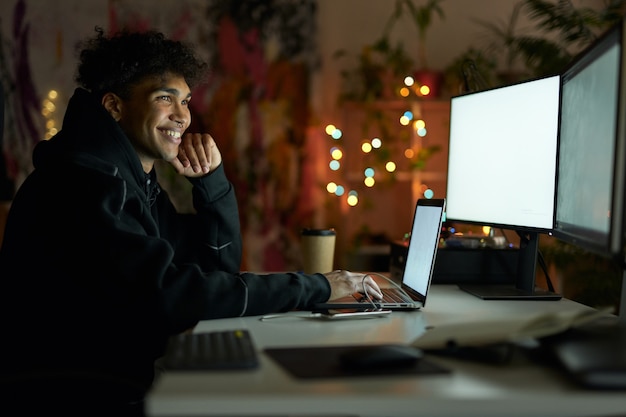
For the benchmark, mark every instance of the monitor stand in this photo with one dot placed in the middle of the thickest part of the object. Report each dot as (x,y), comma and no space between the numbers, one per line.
(524,288)
(508,292)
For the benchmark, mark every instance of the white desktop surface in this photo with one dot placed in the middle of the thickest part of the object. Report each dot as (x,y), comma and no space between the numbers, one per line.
(520,388)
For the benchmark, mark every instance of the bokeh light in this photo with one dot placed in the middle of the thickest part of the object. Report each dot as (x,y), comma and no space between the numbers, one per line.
(336,153)
(48,109)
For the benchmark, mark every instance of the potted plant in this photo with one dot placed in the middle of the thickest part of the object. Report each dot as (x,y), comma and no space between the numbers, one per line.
(422,16)
(472,70)
(503,40)
(380,66)
(561,30)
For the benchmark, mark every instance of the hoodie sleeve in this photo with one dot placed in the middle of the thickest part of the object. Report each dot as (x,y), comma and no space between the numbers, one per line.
(207,254)
(211,237)
(218,218)
(219,294)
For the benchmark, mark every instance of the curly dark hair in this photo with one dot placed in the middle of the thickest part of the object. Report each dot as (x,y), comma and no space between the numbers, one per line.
(116,63)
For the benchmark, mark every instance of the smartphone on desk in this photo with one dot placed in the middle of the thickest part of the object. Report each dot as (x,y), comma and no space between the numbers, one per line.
(350,313)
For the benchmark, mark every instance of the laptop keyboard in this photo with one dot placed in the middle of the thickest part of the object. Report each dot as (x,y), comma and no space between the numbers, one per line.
(217,350)
(393,295)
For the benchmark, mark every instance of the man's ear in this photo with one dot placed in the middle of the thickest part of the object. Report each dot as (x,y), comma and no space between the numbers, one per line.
(113,104)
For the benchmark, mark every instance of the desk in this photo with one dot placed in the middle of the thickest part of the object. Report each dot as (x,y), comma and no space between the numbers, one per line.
(471,389)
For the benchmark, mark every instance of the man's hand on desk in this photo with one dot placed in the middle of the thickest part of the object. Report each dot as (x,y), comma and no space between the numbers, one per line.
(344,283)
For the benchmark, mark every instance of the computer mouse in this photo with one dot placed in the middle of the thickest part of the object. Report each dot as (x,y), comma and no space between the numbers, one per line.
(380,356)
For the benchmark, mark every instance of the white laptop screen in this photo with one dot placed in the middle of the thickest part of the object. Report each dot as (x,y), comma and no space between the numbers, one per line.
(423,246)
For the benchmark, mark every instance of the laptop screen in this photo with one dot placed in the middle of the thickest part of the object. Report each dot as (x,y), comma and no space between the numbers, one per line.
(423,244)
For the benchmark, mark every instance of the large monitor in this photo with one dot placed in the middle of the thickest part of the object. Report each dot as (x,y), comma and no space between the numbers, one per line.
(501,170)
(592,151)
(589,211)
(591,180)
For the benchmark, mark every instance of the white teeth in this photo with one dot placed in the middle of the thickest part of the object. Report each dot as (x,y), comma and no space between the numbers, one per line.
(172,133)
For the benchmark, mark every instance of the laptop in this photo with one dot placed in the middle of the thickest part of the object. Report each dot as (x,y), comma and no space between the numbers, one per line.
(418,268)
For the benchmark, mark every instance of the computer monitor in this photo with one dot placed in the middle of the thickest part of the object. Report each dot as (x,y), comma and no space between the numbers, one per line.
(501,170)
(589,210)
(591,169)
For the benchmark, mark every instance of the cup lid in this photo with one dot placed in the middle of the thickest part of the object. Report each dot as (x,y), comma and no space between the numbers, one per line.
(318,232)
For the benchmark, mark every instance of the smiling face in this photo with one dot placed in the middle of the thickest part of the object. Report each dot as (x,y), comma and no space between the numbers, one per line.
(154,117)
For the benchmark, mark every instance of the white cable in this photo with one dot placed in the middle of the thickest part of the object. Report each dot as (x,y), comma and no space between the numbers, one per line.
(399,288)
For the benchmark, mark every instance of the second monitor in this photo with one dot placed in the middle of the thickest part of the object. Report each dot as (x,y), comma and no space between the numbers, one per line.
(502,168)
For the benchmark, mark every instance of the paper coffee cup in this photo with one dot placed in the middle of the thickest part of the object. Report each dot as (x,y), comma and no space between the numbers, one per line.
(318,250)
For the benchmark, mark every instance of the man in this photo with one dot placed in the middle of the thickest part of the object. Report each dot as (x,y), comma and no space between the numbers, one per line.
(97,269)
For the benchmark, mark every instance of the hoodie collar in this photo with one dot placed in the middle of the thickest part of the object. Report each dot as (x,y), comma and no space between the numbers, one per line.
(89,129)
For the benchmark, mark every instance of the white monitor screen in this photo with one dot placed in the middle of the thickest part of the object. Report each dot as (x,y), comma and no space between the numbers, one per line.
(502,155)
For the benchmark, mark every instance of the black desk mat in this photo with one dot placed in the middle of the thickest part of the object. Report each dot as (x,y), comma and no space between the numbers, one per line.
(323,362)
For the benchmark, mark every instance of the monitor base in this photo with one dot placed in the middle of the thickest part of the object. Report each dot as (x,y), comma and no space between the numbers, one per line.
(508,292)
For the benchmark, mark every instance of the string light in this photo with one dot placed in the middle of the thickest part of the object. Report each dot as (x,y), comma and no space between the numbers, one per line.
(420,127)
(407,118)
(337,134)
(48,109)
(353,198)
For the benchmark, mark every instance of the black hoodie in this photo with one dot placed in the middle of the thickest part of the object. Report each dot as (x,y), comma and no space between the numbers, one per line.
(97,269)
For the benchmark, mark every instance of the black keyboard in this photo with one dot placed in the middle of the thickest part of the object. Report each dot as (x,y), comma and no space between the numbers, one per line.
(217,350)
